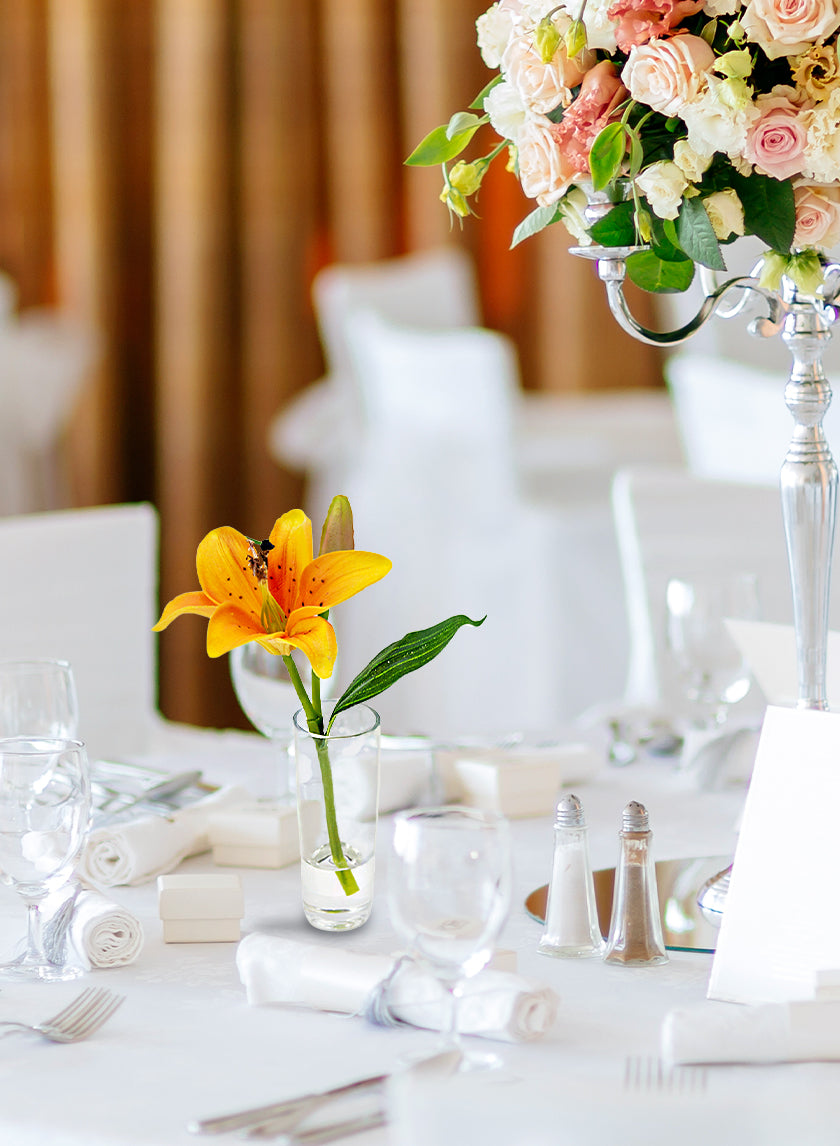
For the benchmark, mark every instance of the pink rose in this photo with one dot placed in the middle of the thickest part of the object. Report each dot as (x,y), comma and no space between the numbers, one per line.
(542,87)
(789,27)
(600,94)
(667,74)
(817,215)
(544,172)
(638,21)
(775,143)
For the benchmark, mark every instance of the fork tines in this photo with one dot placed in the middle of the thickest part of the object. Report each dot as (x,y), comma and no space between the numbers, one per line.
(652,1074)
(85,1014)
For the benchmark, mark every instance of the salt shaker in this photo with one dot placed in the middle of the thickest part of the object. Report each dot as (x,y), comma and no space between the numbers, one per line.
(571,917)
(635,936)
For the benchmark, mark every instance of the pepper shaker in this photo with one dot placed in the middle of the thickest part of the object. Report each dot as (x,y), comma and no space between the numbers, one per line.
(571,916)
(635,936)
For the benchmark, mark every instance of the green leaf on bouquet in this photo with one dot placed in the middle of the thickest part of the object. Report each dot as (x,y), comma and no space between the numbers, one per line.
(607,154)
(768,206)
(697,235)
(398,659)
(478,103)
(438,147)
(660,276)
(616,229)
(535,222)
(663,239)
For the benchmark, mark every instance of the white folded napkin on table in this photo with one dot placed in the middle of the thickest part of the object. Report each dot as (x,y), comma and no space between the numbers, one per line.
(806,1031)
(99,931)
(494,1004)
(138,850)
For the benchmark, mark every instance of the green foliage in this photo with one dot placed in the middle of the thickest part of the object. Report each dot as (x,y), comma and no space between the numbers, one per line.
(768,208)
(607,154)
(535,222)
(659,276)
(439,147)
(616,229)
(697,236)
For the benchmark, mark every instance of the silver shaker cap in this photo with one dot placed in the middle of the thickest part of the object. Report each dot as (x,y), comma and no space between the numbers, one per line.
(569,813)
(635,818)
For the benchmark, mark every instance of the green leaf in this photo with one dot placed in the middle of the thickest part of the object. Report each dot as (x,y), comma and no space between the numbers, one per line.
(660,276)
(535,222)
(478,103)
(437,147)
(607,154)
(617,228)
(768,208)
(398,659)
(663,239)
(462,121)
(697,235)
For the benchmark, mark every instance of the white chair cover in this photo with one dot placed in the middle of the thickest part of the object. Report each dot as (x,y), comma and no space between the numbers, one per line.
(81,585)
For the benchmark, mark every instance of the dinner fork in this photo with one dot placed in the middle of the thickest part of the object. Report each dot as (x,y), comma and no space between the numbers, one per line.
(79,1019)
(651,1074)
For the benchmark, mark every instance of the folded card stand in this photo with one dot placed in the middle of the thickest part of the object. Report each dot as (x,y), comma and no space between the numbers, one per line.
(200,908)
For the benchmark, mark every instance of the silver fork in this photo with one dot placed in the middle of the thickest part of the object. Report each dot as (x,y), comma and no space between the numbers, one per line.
(79,1019)
(651,1074)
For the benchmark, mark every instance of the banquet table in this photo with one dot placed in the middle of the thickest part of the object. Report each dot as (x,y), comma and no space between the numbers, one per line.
(186,1044)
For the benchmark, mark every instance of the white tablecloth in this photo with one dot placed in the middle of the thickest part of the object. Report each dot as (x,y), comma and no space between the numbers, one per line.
(186,1045)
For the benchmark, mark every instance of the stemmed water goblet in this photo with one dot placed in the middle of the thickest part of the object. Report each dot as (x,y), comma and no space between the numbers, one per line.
(38,698)
(711,669)
(449,893)
(268,698)
(44,815)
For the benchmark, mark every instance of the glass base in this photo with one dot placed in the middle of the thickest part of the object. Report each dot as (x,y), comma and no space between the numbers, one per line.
(325,905)
(23,971)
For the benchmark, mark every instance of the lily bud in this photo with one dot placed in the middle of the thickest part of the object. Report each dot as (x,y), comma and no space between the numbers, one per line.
(455,201)
(773,268)
(337,534)
(806,271)
(466,177)
(546,39)
(575,38)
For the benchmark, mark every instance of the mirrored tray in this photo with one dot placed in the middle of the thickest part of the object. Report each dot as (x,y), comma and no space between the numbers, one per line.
(679,883)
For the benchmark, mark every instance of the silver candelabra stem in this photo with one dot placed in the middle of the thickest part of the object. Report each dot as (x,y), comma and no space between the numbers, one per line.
(808,473)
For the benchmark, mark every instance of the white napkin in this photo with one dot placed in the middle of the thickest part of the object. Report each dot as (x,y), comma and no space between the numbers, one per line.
(806,1031)
(137,851)
(100,932)
(495,1004)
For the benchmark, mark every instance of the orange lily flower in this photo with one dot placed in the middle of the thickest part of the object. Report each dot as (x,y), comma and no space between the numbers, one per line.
(274,595)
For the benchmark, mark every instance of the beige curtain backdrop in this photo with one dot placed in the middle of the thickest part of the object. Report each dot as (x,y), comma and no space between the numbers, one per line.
(174,172)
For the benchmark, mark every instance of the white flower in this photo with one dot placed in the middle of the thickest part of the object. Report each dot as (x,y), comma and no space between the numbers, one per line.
(785,28)
(663,185)
(494,28)
(725,212)
(572,207)
(721,7)
(542,87)
(714,124)
(506,110)
(692,163)
(822,146)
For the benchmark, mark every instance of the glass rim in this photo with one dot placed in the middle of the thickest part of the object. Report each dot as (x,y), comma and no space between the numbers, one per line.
(481,817)
(35,662)
(301,726)
(39,744)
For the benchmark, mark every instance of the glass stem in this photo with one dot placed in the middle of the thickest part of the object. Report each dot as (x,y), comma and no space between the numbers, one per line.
(449,1027)
(35,954)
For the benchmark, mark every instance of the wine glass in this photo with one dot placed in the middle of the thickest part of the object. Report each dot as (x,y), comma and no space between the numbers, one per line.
(44,814)
(710,667)
(449,894)
(268,698)
(38,698)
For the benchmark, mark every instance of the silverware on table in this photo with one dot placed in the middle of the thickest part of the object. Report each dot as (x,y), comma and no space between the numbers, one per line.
(77,1021)
(316,1135)
(652,1074)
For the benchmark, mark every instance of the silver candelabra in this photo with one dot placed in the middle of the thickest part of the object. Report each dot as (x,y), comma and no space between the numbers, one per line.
(808,474)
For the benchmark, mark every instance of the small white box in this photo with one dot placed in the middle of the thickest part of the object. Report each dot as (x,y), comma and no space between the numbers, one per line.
(519,782)
(255,835)
(200,908)
(504,959)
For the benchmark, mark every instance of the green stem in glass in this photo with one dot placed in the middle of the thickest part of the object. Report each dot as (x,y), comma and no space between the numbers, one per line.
(315,723)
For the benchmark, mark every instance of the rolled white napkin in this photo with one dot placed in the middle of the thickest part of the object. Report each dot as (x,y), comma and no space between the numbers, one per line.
(136,851)
(495,1004)
(100,932)
(772,1032)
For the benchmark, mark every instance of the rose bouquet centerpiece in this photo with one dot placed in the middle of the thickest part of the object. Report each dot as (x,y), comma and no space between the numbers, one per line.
(701,120)
(277,593)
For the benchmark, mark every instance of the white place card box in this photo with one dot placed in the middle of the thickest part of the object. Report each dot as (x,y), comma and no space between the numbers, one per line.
(781,924)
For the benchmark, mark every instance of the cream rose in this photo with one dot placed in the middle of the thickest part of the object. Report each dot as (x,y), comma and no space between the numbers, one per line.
(494,30)
(663,185)
(817,215)
(692,163)
(788,27)
(726,213)
(506,110)
(542,87)
(668,74)
(543,173)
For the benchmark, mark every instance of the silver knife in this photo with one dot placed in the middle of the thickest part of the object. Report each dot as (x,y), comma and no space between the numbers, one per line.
(171,786)
(316,1135)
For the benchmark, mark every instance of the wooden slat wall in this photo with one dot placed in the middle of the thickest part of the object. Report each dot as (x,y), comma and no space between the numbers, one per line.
(174,172)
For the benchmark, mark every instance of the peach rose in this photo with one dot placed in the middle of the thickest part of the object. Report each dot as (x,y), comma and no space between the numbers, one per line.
(667,74)
(638,21)
(775,143)
(544,172)
(788,27)
(600,94)
(817,215)
(542,87)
